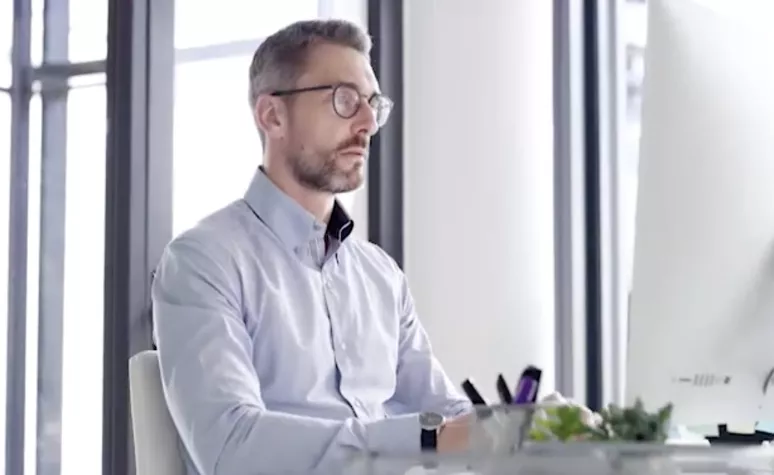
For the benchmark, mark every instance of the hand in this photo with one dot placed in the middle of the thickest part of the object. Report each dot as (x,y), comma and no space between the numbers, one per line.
(454,435)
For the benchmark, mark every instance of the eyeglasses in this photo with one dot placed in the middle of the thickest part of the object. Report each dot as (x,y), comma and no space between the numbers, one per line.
(346,100)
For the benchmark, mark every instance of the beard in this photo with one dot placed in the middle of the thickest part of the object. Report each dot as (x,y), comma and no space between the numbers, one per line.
(328,171)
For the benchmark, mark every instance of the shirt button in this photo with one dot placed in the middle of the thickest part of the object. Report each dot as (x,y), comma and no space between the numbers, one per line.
(343,346)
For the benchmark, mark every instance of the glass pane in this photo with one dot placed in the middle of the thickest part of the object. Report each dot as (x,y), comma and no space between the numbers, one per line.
(352,10)
(634,31)
(633,35)
(87,80)
(88,30)
(5,182)
(33,288)
(83,313)
(36,32)
(217,147)
(234,20)
(6,38)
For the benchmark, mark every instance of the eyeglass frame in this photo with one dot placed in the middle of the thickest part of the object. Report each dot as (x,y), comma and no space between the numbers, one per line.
(333,88)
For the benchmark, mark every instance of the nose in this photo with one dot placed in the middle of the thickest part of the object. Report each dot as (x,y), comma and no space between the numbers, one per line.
(365,120)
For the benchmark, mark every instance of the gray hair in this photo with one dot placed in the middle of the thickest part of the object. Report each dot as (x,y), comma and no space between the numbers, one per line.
(280,59)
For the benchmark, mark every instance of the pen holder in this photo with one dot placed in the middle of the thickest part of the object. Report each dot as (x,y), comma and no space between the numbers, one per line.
(501,429)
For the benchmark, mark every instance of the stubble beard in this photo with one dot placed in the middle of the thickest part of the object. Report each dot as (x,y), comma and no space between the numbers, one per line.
(323,172)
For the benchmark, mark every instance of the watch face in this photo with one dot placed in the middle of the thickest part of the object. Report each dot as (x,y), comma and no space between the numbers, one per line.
(430,420)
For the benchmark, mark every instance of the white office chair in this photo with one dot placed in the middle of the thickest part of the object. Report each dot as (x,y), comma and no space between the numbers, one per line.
(155,438)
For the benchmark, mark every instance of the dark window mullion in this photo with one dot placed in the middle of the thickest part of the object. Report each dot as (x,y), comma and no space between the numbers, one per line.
(385,168)
(138,220)
(593,241)
(21,92)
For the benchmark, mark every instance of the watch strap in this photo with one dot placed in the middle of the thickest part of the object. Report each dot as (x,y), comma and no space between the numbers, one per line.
(429,439)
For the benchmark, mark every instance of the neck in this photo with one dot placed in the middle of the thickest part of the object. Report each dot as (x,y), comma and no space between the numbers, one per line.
(319,204)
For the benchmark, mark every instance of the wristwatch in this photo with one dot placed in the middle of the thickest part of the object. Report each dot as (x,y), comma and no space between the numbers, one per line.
(431,424)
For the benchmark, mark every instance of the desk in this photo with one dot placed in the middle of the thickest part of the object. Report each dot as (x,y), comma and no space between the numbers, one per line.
(580,459)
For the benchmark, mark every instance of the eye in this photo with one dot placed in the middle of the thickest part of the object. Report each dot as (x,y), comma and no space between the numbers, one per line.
(346,98)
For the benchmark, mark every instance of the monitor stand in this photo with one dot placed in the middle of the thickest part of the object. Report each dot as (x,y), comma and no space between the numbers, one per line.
(725,437)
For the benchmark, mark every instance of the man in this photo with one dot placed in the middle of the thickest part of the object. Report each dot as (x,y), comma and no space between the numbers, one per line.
(286,344)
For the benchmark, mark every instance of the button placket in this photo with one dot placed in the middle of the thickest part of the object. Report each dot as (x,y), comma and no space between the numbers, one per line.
(331,307)
(340,346)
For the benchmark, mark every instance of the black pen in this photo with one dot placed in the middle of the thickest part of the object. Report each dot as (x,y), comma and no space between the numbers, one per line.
(482,411)
(503,391)
(472,393)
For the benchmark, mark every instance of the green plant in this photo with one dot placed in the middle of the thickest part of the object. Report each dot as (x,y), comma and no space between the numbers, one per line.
(562,423)
(632,424)
(616,424)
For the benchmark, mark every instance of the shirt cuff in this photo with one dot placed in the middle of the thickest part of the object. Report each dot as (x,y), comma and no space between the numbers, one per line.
(395,435)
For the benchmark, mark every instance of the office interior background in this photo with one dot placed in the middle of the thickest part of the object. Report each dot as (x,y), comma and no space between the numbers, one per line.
(504,184)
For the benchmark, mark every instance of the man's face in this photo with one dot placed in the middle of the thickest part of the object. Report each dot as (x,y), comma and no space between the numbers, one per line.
(325,151)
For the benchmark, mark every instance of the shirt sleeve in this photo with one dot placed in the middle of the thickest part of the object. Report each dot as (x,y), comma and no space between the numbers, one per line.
(214,394)
(422,383)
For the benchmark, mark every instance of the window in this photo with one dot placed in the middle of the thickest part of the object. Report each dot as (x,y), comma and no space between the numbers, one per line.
(65,239)
(235,20)
(37,8)
(82,313)
(633,34)
(217,148)
(88,30)
(5,182)
(33,289)
(6,32)
(65,315)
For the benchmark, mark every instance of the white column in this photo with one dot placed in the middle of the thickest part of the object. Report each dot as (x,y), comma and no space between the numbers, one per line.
(479,183)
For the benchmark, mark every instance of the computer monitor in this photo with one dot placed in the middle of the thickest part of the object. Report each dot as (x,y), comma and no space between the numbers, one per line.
(701,324)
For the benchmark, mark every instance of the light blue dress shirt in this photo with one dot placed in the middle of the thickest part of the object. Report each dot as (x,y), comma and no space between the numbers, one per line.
(281,354)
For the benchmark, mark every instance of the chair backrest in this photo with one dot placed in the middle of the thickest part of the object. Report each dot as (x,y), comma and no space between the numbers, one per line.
(156,447)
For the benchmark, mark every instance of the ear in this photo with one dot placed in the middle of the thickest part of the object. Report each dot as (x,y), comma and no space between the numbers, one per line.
(270,116)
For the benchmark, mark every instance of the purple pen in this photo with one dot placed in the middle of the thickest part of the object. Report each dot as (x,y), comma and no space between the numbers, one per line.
(527,389)
(526,394)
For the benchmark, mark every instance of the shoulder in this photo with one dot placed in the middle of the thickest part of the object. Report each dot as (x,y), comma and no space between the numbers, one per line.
(371,255)
(377,267)
(213,246)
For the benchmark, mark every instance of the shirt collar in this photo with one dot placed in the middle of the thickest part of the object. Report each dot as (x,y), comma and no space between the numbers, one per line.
(294,225)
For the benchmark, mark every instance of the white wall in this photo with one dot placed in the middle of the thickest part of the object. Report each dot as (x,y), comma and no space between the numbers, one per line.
(479,183)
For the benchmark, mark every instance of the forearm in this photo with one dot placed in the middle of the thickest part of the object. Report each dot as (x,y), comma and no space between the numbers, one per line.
(253,441)
(215,401)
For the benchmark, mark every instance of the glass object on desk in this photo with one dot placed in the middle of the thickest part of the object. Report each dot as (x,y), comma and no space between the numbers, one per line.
(499,445)
(578,458)
(498,434)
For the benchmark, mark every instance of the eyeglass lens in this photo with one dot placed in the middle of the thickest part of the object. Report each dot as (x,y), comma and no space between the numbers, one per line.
(347,100)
